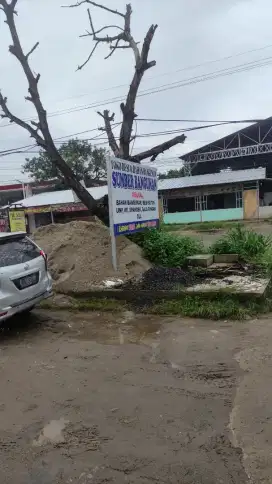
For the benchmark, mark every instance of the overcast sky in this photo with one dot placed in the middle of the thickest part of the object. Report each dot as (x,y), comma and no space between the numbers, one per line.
(190,33)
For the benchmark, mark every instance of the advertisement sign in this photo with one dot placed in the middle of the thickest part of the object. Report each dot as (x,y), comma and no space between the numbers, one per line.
(17,221)
(3,225)
(133,197)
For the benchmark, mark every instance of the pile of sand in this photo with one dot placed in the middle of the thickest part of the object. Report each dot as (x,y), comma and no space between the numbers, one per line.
(79,256)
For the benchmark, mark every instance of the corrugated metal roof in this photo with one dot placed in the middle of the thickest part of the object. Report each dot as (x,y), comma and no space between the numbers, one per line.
(59,197)
(66,196)
(213,179)
(247,130)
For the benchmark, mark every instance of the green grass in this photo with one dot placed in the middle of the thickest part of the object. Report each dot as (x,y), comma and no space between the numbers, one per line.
(200,227)
(100,305)
(247,244)
(165,249)
(216,307)
(221,307)
(263,262)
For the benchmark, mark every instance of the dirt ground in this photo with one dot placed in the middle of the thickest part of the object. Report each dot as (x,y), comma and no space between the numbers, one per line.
(102,398)
(209,237)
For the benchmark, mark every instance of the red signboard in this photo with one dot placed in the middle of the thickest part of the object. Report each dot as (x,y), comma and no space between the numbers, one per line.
(3,225)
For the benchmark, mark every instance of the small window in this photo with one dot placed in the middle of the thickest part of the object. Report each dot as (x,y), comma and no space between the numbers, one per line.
(239,199)
(201,203)
(17,251)
(165,205)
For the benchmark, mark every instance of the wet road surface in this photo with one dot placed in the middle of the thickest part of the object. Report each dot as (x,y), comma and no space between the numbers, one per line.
(119,398)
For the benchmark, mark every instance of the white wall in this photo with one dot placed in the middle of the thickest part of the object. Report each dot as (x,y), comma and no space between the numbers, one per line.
(265,212)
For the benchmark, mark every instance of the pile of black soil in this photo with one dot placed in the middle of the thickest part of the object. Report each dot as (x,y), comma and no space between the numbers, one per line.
(162,278)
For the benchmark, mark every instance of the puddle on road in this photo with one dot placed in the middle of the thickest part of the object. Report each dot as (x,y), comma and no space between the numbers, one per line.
(115,330)
(51,433)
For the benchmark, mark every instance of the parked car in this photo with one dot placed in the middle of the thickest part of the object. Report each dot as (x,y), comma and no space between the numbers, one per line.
(24,276)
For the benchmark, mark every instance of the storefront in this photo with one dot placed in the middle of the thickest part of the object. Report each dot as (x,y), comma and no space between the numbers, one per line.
(232,195)
(56,207)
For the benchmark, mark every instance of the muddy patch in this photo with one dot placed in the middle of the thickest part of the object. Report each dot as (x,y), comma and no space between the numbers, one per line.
(106,328)
(52,433)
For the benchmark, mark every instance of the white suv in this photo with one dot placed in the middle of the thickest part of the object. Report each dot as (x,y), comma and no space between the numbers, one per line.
(24,277)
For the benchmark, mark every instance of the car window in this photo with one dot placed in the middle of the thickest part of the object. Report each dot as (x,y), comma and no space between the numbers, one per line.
(18,251)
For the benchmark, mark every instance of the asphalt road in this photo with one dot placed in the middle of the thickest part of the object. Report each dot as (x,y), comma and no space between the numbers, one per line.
(90,398)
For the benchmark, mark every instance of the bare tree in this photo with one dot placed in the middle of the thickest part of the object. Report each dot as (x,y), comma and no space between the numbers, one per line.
(125,40)
(39,131)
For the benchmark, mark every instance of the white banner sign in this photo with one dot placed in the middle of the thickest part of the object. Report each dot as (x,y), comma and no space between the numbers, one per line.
(133,196)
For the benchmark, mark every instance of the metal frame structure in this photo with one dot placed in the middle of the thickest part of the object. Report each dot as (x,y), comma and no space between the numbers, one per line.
(250,141)
(224,154)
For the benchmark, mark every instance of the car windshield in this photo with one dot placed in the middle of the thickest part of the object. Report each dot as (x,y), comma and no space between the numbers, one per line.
(17,251)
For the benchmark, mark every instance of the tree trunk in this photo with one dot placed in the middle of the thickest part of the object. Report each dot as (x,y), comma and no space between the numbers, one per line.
(71,180)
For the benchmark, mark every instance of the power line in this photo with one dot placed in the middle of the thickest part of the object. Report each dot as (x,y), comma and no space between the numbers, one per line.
(100,136)
(24,149)
(169,86)
(205,77)
(57,140)
(194,66)
(201,120)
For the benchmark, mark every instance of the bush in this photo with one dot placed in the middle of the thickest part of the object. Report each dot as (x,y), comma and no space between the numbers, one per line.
(247,244)
(165,249)
(264,262)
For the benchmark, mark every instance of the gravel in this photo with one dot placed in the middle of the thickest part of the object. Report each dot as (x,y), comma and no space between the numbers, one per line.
(162,278)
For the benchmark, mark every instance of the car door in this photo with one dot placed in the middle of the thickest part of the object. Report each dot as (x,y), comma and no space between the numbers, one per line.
(23,272)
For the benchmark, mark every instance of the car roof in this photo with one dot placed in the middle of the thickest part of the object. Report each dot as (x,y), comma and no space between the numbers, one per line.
(5,235)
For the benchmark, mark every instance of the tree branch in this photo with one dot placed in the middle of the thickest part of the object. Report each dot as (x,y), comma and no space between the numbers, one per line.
(88,34)
(108,128)
(124,35)
(142,64)
(157,150)
(87,60)
(147,43)
(14,119)
(113,47)
(108,27)
(120,47)
(32,50)
(102,39)
(13,3)
(90,2)
(128,108)
(46,141)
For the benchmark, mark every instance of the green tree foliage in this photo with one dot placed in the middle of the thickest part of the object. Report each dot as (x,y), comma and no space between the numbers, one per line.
(172,174)
(87,162)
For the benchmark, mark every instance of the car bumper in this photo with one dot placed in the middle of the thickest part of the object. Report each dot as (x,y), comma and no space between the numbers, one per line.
(10,311)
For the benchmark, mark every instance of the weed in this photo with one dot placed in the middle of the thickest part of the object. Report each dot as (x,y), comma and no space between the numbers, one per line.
(168,250)
(246,243)
(200,227)
(221,307)
(103,304)
(207,226)
(174,227)
(264,262)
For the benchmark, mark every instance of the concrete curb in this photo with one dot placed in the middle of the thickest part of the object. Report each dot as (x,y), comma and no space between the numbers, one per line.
(159,295)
